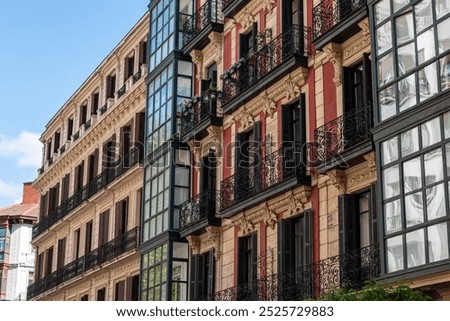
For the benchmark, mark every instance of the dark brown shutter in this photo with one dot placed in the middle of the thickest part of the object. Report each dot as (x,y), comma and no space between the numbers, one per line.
(193,295)
(211,274)
(367,79)
(129,289)
(139,133)
(119,213)
(49,261)
(373,214)
(40,266)
(61,253)
(285,246)
(348,223)
(77,236)
(142,52)
(65,187)
(242,260)
(88,238)
(104,228)
(254,262)
(308,237)
(287,132)
(120,291)
(101,294)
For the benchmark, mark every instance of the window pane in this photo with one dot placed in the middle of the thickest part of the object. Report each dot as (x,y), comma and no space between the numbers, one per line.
(390,150)
(447,148)
(398,4)
(395,254)
(434,171)
(393,219)
(438,242)
(387,102)
(427,82)
(412,175)
(431,132)
(391,185)
(404,28)
(444,35)
(406,58)
(415,248)
(414,209)
(386,69)
(382,10)
(2,232)
(410,141)
(424,17)
(425,46)
(435,202)
(444,64)
(384,38)
(407,92)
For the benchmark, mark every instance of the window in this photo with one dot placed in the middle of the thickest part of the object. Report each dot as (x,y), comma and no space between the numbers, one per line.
(2,232)
(415,190)
(79,177)
(142,53)
(95,101)
(84,298)
(61,253)
(76,244)
(247,260)
(93,165)
(154,274)
(2,244)
(179,271)
(121,223)
(247,42)
(412,54)
(110,86)
(103,234)
(88,237)
(69,128)
(357,85)
(162,28)
(57,142)
(292,13)
(119,293)
(48,261)
(129,67)
(83,114)
(202,276)
(132,288)
(101,294)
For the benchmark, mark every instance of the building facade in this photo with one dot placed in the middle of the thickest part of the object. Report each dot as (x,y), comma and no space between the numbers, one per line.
(17,256)
(87,235)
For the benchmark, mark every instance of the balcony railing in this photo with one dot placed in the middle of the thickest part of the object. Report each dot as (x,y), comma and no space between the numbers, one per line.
(199,109)
(76,136)
(328,13)
(122,91)
(90,189)
(93,259)
(103,109)
(87,124)
(349,271)
(208,14)
(137,76)
(250,70)
(342,133)
(200,207)
(252,178)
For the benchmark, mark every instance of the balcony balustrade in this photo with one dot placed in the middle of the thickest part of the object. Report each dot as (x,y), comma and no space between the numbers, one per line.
(103,254)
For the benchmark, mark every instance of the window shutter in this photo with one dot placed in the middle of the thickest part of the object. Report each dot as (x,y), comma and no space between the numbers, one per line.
(254,34)
(373,214)
(88,239)
(367,79)
(285,248)
(118,224)
(286,125)
(204,85)
(348,224)
(193,278)
(96,155)
(242,264)
(254,263)
(211,274)
(139,133)
(347,86)
(120,291)
(308,237)
(257,161)
(129,289)
(201,273)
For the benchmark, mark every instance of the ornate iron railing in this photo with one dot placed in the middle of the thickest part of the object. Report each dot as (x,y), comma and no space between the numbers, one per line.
(104,253)
(200,108)
(103,109)
(261,174)
(62,150)
(342,133)
(122,91)
(88,124)
(198,208)
(248,71)
(137,76)
(87,191)
(210,12)
(76,136)
(350,270)
(328,13)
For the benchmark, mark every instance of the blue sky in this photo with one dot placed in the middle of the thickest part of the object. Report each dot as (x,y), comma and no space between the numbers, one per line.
(47,49)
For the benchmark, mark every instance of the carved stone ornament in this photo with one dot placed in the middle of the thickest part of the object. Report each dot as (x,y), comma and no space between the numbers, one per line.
(364,25)
(298,199)
(292,89)
(196,149)
(338,179)
(270,107)
(245,118)
(370,158)
(334,53)
(246,19)
(194,243)
(197,59)
(246,226)
(269,4)
(214,235)
(270,217)
(216,40)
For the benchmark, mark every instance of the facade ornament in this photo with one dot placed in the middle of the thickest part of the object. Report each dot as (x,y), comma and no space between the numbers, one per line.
(370,158)
(195,147)
(216,40)
(298,199)
(246,19)
(197,59)
(270,217)
(270,107)
(214,133)
(338,179)
(245,118)
(364,25)
(194,243)
(269,4)
(246,226)
(292,89)
(214,235)
(334,53)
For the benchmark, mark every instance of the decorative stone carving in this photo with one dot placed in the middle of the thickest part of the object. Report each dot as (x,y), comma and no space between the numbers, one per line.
(297,200)
(246,225)
(246,19)
(364,25)
(195,147)
(197,59)
(194,243)
(214,235)
(338,179)
(292,89)
(370,158)
(244,117)
(270,217)
(269,4)
(216,40)
(334,53)
(270,107)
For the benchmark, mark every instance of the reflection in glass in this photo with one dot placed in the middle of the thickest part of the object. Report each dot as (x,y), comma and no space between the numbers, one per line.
(415,248)
(390,150)
(433,167)
(414,209)
(447,148)
(387,102)
(407,92)
(382,10)
(423,15)
(395,254)
(404,28)
(406,58)
(442,7)
(425,46)
(444,35)
(435,197)
(412,175)
(385,69)
(438,242)
(398,4)
(431,132)
(391,184)
(444,64)
(410,141)
(427,82)
(384,38)
(393,219)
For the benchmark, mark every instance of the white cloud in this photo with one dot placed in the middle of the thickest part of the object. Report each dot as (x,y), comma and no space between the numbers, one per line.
(11,191)
(26,149)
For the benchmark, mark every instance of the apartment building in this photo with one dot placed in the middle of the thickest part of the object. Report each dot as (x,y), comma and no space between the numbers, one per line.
(90,183)
(17,256)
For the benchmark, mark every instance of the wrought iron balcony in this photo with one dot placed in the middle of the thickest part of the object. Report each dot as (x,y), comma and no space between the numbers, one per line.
(328,14)
(199,113)
(97,184)
(199,212)
(93,259)
(206,19)
(349,271)
(103,109)
(287,163)
(76,136)
(121,91)
(88,124)
(254,73)
(342,134)
(137,76)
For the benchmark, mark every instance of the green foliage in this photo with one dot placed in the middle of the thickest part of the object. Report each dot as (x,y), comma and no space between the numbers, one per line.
(377,292)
